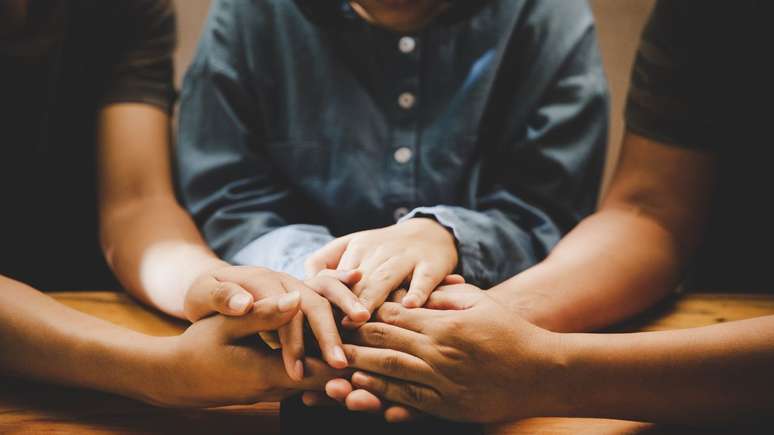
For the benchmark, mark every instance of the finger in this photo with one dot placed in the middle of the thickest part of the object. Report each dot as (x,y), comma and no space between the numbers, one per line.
(316,398)
(327,257)
(291,338)
(363,401)
(209,296)
(451,300)
(423,281)
(338,389)
(453,279)
(377,285)
(415,319)
(341,296)
(384,336)
(351,258)
(417,396)
(347,277)
(266,315)
(397,296)
(391,363)
(317,374)
(259,282)
(400,414)
(319,313)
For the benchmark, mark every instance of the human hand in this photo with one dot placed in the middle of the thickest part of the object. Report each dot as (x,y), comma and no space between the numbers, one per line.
(232,290)
(213,364)
(418,251)
(478,363)
(340,391)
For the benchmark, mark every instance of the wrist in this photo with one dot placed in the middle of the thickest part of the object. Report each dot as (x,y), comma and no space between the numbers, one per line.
(532,306)
(579,384)
(552,391)
(429,223)
(151,371)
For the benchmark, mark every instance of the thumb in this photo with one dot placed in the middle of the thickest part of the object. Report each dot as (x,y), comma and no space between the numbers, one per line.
(326,257)
(347,277)
(267,315)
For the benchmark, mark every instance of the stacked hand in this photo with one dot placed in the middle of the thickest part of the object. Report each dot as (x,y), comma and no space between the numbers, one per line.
(463,357)
(232,290)
(213,363)
(419,252)
(355,273)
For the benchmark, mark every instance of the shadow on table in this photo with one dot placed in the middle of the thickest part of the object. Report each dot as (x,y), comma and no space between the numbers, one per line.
(28,407)
(298,419)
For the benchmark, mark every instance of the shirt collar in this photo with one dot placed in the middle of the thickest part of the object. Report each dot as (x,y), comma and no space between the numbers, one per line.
(336,11)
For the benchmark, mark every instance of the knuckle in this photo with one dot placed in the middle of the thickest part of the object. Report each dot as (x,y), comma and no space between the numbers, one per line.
(389,313)
(260,271)
(375,334)
(428,275)
(352,354)
(390,363)
(413,393)
(219,294)
(317,302)
(452,326)
(383,275)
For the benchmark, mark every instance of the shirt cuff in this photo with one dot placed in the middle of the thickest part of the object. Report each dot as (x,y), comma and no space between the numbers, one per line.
(284,249)
(471,264)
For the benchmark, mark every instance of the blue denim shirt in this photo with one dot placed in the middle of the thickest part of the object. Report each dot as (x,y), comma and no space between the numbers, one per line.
(301,122)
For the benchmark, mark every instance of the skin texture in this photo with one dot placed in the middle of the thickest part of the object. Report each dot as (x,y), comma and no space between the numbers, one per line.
(631,252)
(614,264)
(483,364)
(387,258)
(157,253)
(401,16)
(208,365)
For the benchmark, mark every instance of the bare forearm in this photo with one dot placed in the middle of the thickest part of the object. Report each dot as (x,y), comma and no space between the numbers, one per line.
(150,242)
(46,340)
(614,264)
(716,373)
(155,250)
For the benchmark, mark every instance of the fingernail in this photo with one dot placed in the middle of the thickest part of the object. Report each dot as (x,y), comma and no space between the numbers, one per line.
(410,301)
(360,312)
(299,367)
(239,302)
(288,301)
(359,378)
(338,354)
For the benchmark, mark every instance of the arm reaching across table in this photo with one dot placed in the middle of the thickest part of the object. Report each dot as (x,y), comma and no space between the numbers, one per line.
(483,364)
(208,365)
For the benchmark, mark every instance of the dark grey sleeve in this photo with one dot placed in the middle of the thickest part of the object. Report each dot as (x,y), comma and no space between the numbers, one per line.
(145,36)
(673,97)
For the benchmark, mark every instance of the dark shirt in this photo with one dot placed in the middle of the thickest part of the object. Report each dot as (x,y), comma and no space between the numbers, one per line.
(300,121)
(56,72)
(702,80)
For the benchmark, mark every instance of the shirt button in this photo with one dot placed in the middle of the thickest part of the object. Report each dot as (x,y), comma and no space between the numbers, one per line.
(403,155)
(407,100)
(399,213)
(407,44)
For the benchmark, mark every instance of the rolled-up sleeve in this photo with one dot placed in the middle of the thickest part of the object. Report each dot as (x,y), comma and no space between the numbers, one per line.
(142,48)
(246,211)
(531,192)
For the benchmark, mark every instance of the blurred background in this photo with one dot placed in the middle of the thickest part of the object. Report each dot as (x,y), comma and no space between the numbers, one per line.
(619,24)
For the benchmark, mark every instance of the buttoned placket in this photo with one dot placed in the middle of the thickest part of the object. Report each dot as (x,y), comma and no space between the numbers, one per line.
(405,53)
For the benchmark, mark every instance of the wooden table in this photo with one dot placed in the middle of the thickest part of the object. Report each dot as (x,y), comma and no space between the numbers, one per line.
(27,407)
